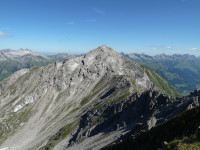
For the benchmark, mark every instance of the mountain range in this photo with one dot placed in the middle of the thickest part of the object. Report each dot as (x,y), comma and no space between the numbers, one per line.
(181,71)
(12,60)
(85,102)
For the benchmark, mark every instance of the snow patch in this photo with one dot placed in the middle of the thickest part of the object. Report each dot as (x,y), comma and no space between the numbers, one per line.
(18,107)
(28,99)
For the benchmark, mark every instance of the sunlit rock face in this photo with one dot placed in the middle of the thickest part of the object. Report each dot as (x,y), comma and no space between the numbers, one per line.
(41,103)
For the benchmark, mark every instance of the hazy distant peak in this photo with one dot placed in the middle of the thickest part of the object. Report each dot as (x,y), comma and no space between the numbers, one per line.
(159,56)
(11,54)
(25,50)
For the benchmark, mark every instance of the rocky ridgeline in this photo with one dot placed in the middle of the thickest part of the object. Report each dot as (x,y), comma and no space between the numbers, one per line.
(136,113)
(179,132)
(84,102)
(44,101)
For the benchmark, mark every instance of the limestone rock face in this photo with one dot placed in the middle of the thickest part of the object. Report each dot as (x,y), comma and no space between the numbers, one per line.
(84,102)
(37,103)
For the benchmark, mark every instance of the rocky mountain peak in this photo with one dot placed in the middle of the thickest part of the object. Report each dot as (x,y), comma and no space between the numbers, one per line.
(103,51)
(58,94)
(106,57)
(25,50)
(104,60)
(106,48)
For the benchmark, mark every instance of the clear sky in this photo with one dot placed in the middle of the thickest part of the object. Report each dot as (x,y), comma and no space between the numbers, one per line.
(77,26)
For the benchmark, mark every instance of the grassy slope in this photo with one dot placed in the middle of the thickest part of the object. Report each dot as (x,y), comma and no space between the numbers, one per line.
(183,74)
(160,82)
(180,133)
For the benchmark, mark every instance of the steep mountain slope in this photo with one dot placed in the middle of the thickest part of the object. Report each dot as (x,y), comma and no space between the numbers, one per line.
(135,113)
(38,105)
(160,82)
(12,61)
(179,133)
(182,71)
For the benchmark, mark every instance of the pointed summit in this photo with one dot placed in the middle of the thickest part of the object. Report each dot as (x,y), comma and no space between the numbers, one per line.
(105,47)
(103,52)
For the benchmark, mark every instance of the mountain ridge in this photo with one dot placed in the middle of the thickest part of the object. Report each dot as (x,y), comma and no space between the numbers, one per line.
(83,102)
(68,86)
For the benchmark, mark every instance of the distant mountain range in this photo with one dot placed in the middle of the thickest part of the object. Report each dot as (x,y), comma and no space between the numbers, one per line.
(12,61)
(182,71)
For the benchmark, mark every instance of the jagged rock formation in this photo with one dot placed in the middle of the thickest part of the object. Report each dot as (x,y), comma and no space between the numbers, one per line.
(181,132)
(84,102)
(136,113)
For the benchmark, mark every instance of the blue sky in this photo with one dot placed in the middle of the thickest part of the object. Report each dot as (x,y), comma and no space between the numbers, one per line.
(77,26)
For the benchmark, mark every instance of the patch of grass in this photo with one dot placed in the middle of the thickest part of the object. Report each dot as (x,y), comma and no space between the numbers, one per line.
(34,68)
(95,91)
(160,82)
(2,138)
(74,110)
(12,88)
(85,100)
(97,120)
(99,106)
(126,95)
(133,84)
(189,144)
(173,144)
(60,135)
(99,87)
